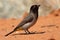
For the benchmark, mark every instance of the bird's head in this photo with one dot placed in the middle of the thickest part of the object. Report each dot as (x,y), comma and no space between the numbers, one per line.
(34,8)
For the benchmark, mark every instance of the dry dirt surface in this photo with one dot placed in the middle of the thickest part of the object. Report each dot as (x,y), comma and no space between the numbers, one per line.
(46,28)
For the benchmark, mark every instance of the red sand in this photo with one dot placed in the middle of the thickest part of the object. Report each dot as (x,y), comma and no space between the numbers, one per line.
(50,25)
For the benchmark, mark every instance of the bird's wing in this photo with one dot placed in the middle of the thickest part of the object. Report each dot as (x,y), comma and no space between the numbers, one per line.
(29,18)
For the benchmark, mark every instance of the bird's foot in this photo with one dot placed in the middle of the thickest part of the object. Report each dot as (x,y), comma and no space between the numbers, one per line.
(30,32)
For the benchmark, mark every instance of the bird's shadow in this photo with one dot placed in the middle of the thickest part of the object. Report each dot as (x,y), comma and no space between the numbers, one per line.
(29,33)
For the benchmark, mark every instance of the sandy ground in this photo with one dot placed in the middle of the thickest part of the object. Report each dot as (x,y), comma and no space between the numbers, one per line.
(46,28)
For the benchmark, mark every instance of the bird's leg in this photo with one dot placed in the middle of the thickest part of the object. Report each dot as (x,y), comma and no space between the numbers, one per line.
(27,31)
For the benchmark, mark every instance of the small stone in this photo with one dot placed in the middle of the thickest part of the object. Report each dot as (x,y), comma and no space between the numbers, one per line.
(52,39)
(56,14)
(57,26)
(12,25)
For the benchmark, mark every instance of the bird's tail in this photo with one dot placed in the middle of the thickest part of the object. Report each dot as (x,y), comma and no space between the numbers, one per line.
(9,33)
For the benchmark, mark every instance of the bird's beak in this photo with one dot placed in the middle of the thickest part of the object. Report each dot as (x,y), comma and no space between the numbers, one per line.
(38,5)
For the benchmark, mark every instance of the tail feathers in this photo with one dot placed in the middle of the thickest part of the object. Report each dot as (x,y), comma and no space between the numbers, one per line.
(9,33)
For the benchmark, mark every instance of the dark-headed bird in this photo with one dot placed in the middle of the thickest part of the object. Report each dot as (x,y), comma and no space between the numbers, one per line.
(28,21)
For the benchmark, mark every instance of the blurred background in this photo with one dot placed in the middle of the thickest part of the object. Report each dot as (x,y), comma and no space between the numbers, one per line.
(16,8)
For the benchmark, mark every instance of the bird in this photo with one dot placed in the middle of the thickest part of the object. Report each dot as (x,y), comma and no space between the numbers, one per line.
(28,21)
